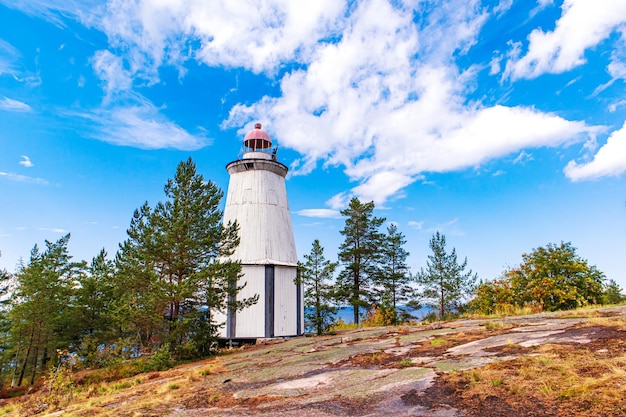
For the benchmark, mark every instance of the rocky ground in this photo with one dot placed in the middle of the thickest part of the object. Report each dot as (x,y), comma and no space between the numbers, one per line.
(390,371)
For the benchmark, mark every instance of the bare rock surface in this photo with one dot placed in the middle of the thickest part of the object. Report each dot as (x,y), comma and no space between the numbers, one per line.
(368,372)
(385,371)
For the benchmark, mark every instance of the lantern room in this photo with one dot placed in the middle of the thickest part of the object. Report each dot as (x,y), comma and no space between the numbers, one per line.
(257,144)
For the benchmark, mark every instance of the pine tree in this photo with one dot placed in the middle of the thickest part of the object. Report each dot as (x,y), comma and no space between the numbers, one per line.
(360,254)
(94,302)
(316,274)
(393,278)
(139,304)
(445,284)
(612,293)
(42,317)
(170,268)
(6,280)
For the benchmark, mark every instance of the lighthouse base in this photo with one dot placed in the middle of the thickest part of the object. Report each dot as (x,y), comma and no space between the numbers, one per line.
(279,311)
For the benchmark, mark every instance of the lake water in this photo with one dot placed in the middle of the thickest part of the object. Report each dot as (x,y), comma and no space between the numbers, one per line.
(347,313)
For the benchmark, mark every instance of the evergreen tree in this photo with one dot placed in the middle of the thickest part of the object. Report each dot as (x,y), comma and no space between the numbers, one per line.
(393,278)
(444,282)
(360,254)
(5,345)
(42,317)
(613,293)
(139,303)
(170,269)
(315,274)
(94,301)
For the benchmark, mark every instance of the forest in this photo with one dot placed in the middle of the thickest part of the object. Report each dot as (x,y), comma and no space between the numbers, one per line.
(153,303)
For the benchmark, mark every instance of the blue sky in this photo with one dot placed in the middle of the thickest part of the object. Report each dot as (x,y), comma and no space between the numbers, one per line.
(500,124)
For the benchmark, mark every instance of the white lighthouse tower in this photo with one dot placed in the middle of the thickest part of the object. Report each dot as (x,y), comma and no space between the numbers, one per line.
(257,200)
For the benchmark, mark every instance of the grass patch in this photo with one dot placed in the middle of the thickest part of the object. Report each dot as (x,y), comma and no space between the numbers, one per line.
(496,325)
(572,375)
(405,363)
(438,342)
(118,386)
(342,325)
(7,409)
(496,382)
(210,370)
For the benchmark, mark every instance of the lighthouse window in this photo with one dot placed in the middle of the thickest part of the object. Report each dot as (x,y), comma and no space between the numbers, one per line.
(249,165)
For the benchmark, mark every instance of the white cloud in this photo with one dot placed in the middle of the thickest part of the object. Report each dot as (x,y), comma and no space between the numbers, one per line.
(416,225)
(494,65)
(10,65)
(617,66)
(339,201)
(14,105)
(320,213)
(139,125)
(610,160)
(8,58)
(387,116)
(258,35)
(583,24)
(383,96)
(380,186)
(26,162)
(614,106)
(22,178)
(57,12)
(110,69)
(541,4)
(450,227)
(54,230)
(523,158)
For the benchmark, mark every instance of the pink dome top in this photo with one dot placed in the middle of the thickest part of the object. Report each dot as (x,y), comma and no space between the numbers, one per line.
(257,138)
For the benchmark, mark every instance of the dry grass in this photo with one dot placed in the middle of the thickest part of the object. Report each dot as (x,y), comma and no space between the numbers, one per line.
(497,325)
(151,393)
(576,376)
(586,379)
(342,325)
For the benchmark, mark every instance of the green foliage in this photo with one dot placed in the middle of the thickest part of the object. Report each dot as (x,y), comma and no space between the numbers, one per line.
(169,278)
(393,278)
(42,315)
(171,274)
(360,254)
(5,325)
(383,315)
(316,274)
(552,278)
(444,283)
(613,293)
(160,360)
(60,381)
(342,325)
(93,300)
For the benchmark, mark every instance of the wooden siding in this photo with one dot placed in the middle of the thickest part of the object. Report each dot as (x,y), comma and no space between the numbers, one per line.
(257,200)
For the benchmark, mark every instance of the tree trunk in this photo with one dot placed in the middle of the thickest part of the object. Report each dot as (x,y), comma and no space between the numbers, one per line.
(17,358)
(30,345)
(355,300)
(442,304)
(34,370)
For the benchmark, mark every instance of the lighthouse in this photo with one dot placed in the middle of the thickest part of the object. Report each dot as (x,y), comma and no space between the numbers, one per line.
(257,201)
